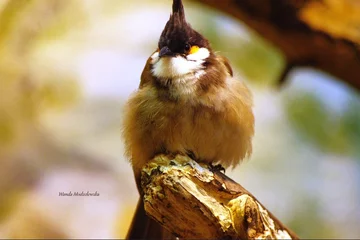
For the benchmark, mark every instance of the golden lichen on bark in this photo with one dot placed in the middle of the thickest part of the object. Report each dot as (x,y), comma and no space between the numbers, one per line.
(192,201)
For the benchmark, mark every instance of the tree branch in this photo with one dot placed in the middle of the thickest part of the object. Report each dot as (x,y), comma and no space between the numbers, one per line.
(314,33)
(193,201)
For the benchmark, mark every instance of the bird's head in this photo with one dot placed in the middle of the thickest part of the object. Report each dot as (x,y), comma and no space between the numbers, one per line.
(181,49)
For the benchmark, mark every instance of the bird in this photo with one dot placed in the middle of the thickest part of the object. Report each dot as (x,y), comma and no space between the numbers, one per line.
(188,102)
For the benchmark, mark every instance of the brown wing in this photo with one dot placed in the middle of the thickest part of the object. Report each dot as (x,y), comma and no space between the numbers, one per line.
(146,76)
(226,63)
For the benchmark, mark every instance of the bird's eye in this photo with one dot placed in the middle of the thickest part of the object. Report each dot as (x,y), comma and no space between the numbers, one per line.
(187,47)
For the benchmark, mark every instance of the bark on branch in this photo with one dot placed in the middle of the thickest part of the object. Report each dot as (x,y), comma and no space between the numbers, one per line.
(322,34)
(192,201)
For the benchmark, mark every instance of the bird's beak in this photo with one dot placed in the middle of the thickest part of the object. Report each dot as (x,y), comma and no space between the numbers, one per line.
(165,51)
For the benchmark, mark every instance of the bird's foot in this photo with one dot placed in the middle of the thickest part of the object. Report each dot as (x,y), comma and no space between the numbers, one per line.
(217,168)
(191,155)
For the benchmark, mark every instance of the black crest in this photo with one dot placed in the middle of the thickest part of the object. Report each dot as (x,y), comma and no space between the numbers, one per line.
(177,33)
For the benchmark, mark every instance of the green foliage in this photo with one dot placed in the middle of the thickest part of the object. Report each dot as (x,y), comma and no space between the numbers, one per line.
(318,125)
(9,16)
(307,220)
(27,90)
(6,129)
(351,125)
(9,201)
(257,60)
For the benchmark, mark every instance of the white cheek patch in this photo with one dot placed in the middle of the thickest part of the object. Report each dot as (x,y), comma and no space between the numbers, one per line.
(174,67)
(154,57)
(200,55)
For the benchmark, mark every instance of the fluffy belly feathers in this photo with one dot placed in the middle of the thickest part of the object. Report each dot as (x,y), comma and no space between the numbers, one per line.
(212,134)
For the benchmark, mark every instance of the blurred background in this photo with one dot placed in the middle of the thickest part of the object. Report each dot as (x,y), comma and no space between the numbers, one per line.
(66,69)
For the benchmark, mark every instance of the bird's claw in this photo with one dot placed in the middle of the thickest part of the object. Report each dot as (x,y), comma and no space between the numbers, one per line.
(217,168)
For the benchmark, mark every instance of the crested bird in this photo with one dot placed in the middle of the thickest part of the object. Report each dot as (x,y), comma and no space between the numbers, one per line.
(188,102)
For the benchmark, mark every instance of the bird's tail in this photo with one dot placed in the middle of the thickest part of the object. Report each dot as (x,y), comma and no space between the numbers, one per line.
(143,227)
